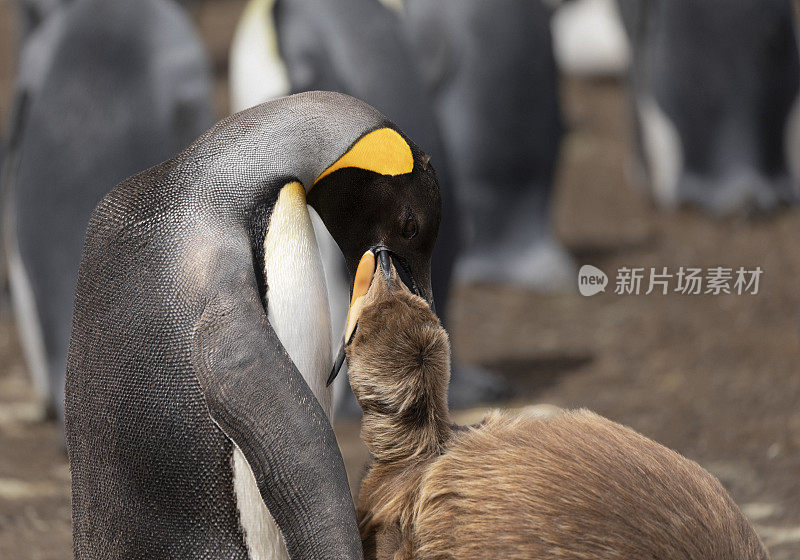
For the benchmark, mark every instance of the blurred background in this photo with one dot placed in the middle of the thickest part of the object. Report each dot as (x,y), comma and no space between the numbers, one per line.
(629,134)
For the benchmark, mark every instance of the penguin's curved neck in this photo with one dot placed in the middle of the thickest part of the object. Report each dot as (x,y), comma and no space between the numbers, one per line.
(294,139)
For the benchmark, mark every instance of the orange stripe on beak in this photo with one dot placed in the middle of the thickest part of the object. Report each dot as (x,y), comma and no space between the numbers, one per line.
(363,279)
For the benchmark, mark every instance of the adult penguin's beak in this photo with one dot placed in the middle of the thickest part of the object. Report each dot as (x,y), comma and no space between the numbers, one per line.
(378,258)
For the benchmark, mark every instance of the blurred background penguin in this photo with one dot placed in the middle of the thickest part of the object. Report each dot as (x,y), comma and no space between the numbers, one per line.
(714,96)
(494,79)
(104,89)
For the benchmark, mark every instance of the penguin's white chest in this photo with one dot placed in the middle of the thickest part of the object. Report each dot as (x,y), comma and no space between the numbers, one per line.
(297,299)
(297,309)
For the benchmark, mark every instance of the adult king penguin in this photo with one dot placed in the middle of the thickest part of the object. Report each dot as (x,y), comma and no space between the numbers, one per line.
(105,89)
(196,383)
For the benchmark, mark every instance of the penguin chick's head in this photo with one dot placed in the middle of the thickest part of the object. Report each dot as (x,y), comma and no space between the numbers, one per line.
(382,191)
(399,356)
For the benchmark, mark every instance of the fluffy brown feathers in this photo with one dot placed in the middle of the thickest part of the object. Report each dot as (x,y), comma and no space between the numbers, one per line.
(571,486)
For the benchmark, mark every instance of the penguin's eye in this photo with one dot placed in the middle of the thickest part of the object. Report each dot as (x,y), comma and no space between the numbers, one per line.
(410,228)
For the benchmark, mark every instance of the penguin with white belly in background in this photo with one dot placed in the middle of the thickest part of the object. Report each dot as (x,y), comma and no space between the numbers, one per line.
(105,88)
(588,38)
(715,91)
(491,67)
(30,14)
(357,47)
(197,407)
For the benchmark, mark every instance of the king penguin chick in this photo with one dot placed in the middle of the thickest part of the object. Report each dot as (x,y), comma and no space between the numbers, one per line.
(516,486)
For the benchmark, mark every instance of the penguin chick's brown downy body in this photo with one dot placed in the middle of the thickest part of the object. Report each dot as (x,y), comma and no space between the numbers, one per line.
(573,485)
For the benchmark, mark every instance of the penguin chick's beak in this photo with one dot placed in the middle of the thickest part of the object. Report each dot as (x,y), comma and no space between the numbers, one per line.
(363,280)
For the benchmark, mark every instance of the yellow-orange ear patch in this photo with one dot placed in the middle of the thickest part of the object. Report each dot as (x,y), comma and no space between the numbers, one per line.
(383,151)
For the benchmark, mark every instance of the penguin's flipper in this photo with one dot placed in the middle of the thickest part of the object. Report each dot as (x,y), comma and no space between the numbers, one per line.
(258,398)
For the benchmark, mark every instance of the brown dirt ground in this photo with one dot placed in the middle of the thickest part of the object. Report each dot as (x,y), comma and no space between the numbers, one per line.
(714,377)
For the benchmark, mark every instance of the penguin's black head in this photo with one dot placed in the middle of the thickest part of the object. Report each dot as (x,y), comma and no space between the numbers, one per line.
(381,197)
(364,209)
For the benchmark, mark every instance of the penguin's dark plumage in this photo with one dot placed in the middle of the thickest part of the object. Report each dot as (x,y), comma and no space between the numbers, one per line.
(32,13)
(716,102)
(174,365)
(495,83)
(105,89)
